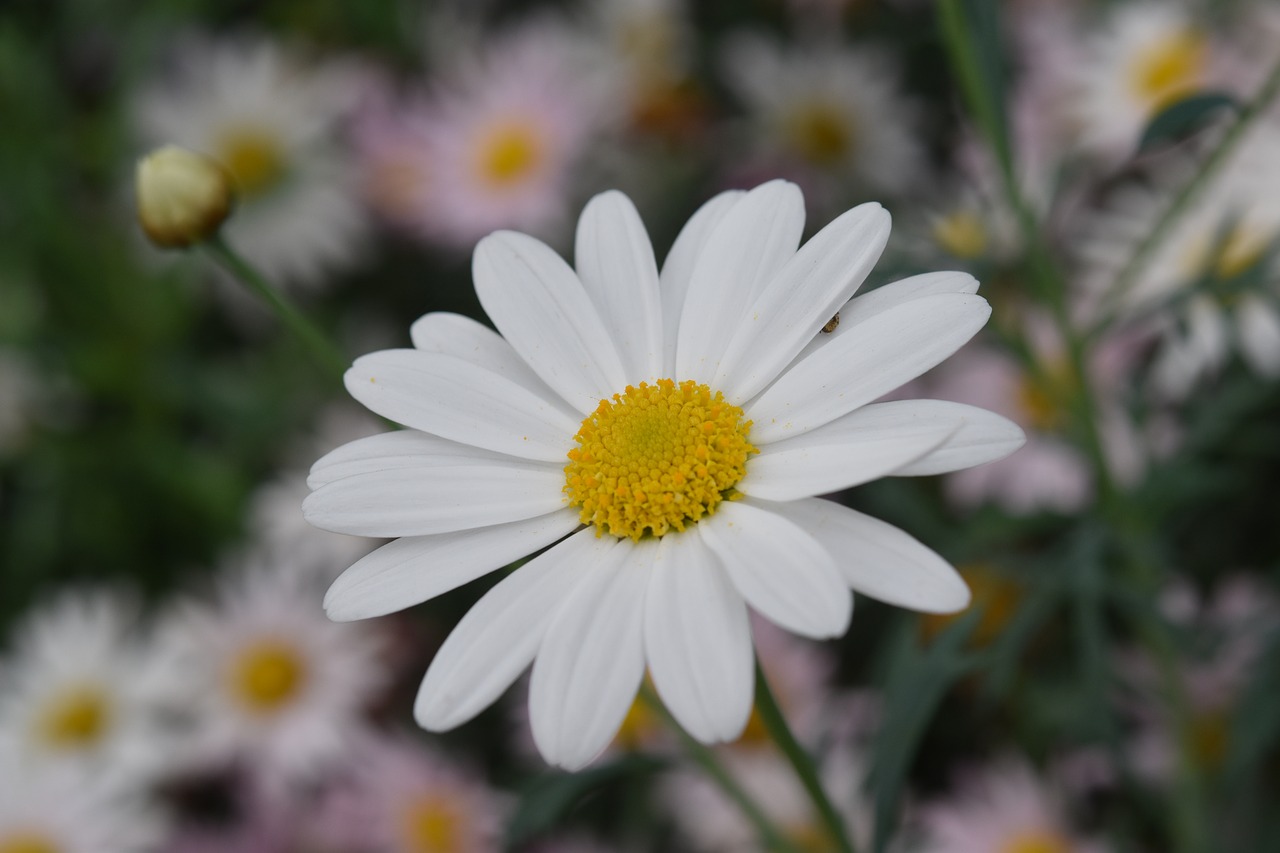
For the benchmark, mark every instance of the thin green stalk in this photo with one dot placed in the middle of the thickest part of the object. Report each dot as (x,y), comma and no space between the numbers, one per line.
(315,340)
(1178,205)
(769,834)
(801,761)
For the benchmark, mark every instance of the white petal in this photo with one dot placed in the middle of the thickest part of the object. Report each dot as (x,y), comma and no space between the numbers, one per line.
(1259,328)
(498,637)
(979,438)
(401,449)
(467,339)
(413,502)
(780,569)
(879,560)
(800,299)
(855,449)
(698,640)
(888,350)
(461,401)
(538,304)
(747,247)
(615,263)
(415,569)
(864,306)
(677,269)
(591,660)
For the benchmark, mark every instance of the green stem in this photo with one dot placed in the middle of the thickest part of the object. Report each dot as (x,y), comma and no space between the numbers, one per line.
(1178,205)
(773,839)
(316,340)
(801,761)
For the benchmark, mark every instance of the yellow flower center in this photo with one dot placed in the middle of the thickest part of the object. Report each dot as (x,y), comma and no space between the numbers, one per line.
(809,837)
(961,233)
(268,675)
(1036,841)
(638,728)
(821,133)
(1227,256)
(509,154)
(1043,397)
(1210,737)
(432,824)
(77,719)
(1169,69)
(27,842)
(655,458)
(255,158)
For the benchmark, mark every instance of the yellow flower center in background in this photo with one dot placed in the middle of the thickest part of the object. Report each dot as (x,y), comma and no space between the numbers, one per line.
(997,594)
(77,719)
(821,133)
(27,842)
(1169,69)
(655,458)
(961,233)
(432,824)
(1036,841)
(1211,737)
(639,727)
(1043,397)
(268,675)
(508,154)
(254,157)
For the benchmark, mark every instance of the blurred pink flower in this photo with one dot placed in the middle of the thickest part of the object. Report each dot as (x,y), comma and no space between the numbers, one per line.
(402,796)
(1004,806)
(497,142)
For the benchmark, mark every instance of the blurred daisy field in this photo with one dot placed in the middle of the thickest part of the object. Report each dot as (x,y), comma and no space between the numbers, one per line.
(639,425)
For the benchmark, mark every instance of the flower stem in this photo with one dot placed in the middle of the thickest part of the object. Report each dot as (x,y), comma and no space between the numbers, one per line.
(773,838)
(306,331)
(801,761)
(1178,205)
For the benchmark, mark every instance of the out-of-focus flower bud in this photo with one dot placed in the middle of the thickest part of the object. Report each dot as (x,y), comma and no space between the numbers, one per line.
(183,197)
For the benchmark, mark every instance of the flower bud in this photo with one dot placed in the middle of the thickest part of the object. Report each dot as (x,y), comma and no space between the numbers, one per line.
(183,197)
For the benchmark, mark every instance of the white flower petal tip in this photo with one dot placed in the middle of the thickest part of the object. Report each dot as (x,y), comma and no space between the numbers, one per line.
(981,437)
(591,661)
(698,641)
(889,349)
(879,560)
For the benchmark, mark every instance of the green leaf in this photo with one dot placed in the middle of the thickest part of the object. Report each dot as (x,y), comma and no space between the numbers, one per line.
(1183,118)
(546,799)
(918,679)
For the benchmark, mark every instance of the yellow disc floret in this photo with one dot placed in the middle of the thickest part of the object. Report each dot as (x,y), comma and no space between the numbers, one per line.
(656,457)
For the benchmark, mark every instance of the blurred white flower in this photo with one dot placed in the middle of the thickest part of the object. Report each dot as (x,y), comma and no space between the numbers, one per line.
(52,809)
(693,493)
(272,683)
(833,118)
(1004,806)
(1225,245)
(1144,57)
(499,141)
(402,796)
(273,121)
(80,688)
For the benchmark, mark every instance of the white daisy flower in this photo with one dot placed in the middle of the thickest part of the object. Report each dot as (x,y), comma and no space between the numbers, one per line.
(495,145)
(272,682)
(273,122)
(80,690)
(827,113)
(1144,58)
(1227,237)
(48,809)
(666,434)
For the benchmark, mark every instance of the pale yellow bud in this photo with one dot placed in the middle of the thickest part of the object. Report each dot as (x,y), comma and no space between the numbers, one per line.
(183,197)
